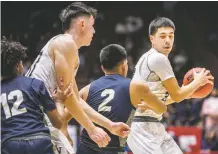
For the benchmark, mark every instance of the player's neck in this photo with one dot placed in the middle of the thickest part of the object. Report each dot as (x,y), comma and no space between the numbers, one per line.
(8,77)
(112,73)
(166,54)
(75,37)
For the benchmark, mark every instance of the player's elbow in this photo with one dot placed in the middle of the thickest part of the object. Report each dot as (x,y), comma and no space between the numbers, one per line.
(161,109)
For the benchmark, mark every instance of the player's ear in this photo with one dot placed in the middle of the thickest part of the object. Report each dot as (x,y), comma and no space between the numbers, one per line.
(124,66)
(102,67)
(82,23)
(151,38)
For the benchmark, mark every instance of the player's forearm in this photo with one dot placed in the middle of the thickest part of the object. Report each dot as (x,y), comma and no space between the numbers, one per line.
(158,106)
(60,110)
(95,116)
(185,91)
(78,113)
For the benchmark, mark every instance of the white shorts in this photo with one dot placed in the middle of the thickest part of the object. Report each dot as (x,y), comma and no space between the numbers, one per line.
(151,138)
(60,142)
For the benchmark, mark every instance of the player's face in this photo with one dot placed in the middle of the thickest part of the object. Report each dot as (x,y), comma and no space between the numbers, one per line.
(163,40)
(88,30)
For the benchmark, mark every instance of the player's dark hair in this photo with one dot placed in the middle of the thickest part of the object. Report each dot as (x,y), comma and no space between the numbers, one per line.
(11,54)
(73,11)
(158,23)
(112,55)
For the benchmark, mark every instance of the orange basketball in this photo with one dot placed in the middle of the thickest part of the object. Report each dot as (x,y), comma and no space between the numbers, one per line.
(202,91)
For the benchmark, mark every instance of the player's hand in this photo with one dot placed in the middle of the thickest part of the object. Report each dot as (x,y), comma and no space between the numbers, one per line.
(99,136)
(60,96)
(202,77)
(120,129)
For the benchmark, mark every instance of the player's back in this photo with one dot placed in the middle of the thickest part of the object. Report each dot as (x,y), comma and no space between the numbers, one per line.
(21,106)
(109,95)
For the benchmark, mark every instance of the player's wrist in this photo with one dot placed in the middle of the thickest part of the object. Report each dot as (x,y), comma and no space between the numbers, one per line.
(91,128)
(110,126)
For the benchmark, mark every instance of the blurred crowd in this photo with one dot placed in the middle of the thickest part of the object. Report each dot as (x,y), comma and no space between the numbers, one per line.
(196,38)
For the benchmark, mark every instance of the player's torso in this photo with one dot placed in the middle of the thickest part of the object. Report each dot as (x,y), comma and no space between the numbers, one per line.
(143,72)
(43,66)
(109,95)
(20,109)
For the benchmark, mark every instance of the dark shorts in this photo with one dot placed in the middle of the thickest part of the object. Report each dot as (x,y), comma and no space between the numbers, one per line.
(84,149)
(34,145)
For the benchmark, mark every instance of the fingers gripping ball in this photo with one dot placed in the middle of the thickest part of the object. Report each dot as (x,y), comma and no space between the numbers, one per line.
(202,91)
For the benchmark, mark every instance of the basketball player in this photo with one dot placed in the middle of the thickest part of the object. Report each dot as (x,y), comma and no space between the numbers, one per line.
(59,59)
(22,102)
(115,97)
(150,136)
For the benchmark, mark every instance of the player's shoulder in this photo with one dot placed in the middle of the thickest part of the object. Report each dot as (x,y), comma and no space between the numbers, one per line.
(156,55)
(24,79)
(63,40)
(29,82)
(157,58)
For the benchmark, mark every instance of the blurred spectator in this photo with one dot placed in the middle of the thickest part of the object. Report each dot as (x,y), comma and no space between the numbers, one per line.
(210,114)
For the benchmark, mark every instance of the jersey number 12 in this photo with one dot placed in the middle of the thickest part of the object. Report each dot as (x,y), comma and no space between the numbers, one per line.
(15,109)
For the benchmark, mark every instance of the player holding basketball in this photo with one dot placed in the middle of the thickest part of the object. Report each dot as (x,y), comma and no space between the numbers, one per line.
(59,59)
(115,97)
(22,102)
(147,134)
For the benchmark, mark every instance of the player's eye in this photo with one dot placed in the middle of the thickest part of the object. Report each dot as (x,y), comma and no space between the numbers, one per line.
(171,36)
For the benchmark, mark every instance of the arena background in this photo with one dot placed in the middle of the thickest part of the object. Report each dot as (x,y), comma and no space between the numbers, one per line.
(126,23)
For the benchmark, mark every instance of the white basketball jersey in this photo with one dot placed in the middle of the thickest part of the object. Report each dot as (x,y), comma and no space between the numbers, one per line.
(153,68)
(43,66)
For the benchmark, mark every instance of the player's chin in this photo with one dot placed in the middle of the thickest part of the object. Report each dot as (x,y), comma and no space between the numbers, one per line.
(88,43)
(167,50)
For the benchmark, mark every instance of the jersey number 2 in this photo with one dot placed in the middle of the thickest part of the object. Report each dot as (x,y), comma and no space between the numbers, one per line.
(102,107)
(15,109)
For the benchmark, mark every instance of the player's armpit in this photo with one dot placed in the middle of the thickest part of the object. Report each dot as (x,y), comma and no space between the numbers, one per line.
(140,91)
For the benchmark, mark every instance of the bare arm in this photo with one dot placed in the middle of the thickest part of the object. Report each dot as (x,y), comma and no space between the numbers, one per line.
(54,118)
(140,91)
(65,54)
(180,93)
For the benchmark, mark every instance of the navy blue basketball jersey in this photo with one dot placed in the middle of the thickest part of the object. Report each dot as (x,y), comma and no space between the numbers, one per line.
(109,95)
(22,102)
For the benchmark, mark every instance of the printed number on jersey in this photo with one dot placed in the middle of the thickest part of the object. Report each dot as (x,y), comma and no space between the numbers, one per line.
(16,96)
(104,105)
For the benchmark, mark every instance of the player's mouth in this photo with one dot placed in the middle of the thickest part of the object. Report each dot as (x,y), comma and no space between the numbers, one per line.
(167,48)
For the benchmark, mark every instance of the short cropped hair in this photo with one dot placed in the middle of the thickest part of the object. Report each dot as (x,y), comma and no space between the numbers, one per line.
(11,54)
(158,23)
(112,55)
(73,11)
